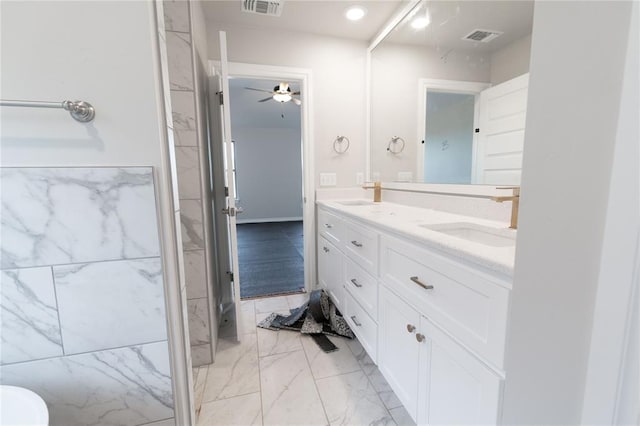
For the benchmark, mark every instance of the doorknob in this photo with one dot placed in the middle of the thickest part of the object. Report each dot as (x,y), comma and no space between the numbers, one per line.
(239,210)
(420,337)
(411,328)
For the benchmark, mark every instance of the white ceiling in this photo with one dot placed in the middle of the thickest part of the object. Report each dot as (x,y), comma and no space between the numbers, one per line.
(246,111)
(452,20)
(324,17)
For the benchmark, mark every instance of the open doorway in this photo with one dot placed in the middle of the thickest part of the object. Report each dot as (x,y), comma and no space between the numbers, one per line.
(268,166)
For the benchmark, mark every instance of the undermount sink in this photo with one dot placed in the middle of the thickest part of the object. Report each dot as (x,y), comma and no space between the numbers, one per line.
(355,203)
(477,233)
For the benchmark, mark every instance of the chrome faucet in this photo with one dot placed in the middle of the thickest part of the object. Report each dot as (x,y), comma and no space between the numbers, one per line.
(377,191)
(515,203)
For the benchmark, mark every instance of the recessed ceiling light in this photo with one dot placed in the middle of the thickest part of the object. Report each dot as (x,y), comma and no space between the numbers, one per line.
(420,22)
(355,13)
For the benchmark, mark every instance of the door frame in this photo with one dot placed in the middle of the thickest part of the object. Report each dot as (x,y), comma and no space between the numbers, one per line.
(304,75)
(451,86)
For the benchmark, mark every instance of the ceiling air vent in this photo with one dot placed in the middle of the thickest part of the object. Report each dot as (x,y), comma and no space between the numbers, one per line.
(483,36)
(263,7)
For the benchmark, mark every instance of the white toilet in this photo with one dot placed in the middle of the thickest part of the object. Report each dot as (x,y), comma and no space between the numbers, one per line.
(19,406)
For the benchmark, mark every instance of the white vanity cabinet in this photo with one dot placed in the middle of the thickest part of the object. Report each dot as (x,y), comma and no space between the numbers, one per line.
(436,379)
(347,270)
(434,323)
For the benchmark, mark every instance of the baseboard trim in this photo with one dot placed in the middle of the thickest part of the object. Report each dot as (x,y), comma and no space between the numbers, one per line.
(270,219)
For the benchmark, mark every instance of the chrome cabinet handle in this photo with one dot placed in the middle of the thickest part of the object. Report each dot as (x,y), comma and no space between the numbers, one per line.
(355,321)
(353,280)
(326,225)
(421,284)
(356,243)
(411,328)
(420,337)
(326,250)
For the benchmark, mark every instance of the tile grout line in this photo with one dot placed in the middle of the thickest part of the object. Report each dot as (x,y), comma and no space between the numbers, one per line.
(86,352)
(255,315)
(86,262)
(55,296)
(324,409)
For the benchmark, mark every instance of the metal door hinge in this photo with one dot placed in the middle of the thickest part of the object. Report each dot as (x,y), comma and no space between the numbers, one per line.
(226,191)
(231,277)
(220,97)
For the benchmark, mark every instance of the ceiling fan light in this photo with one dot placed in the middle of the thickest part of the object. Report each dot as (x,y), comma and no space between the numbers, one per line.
(355,13)
(282,97)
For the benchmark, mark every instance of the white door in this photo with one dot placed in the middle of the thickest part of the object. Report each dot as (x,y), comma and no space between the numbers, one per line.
(500,140)
(461,390)
(223,196)
(330,271)
(398,348)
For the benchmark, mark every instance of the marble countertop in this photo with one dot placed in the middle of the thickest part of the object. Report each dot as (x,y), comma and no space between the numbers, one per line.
(410,221)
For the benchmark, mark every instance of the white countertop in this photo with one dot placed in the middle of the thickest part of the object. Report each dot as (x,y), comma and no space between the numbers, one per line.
(409,221)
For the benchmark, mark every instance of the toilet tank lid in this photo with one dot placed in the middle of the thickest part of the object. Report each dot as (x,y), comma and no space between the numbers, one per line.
(20,406)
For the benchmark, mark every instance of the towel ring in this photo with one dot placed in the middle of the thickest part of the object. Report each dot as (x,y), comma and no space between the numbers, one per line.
(338,143)
(396,145)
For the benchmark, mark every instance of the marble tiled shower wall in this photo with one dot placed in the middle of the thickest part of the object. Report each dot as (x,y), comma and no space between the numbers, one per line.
(185,129)
(83,307)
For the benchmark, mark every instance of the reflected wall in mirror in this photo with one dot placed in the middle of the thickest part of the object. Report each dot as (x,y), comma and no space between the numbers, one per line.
(450,80)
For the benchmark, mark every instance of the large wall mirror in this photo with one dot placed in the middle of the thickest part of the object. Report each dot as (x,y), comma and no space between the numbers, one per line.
(448,93)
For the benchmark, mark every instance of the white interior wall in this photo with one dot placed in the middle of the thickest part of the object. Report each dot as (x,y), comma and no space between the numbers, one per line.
(269,172)
(572,119)
(619,264)
(45,56)
(111,69)
(338,68)
(396,70)
(511,61)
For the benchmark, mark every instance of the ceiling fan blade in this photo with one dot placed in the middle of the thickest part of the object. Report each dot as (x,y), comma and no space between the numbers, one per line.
(296,101)
(258,90)
(266,99)
(296,93)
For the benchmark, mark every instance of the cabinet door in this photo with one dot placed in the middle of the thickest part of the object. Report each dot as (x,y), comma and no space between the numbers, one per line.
(330,271)
(398,348)
(461,389)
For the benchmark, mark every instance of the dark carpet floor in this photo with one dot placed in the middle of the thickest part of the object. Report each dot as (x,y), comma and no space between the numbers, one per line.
(271,258)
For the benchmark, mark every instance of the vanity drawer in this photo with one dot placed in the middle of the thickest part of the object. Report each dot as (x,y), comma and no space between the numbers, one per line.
(463,301)
(361,245)
(362,286)
(363,326)
(330,226)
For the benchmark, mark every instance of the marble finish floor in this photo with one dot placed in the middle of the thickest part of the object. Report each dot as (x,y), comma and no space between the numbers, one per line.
(283,378)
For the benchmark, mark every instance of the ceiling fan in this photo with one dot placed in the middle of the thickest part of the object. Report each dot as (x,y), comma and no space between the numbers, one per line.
(281,93)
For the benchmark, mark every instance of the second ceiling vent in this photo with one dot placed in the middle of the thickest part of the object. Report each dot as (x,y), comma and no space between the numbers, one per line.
(483,36)
(263,7)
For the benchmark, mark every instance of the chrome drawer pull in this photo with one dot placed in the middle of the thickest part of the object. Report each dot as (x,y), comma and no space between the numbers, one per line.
(326,250)
(355,321)
(411,328)
(353,280)
(421,284)
(326,225)
(356,243)
(420,337)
